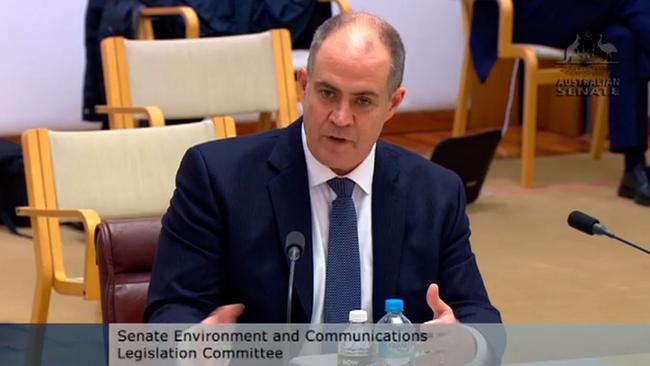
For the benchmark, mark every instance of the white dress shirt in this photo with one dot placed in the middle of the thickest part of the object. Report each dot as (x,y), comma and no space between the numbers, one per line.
(321,196)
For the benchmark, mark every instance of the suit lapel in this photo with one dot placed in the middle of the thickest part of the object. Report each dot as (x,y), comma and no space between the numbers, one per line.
(289,192)
(388,220)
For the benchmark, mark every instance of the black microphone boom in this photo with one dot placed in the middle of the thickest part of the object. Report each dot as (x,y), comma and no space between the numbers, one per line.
(590,225)
(294,245)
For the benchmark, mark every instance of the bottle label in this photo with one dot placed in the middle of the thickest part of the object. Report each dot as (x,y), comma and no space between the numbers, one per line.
(344,360)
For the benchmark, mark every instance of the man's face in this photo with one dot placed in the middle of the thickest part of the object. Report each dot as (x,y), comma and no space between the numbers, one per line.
(346,100)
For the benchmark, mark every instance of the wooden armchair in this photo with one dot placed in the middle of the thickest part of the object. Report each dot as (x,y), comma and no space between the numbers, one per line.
(198,78)
(97,175)
(534,77)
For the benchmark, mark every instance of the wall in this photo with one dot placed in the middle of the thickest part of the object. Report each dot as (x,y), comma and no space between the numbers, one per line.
(42,65)
(433,37)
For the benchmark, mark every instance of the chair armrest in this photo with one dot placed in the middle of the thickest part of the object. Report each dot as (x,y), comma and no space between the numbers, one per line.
(344,5)
(90,219)
(188,14)
(153,113)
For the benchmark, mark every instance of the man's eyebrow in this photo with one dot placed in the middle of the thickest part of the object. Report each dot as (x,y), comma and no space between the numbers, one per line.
(327,85)
(367,93)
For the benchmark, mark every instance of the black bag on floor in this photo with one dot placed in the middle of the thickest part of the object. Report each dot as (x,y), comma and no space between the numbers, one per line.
(13,190)
(469,157)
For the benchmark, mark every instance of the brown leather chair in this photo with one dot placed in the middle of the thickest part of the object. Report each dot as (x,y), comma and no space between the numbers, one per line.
(125,253)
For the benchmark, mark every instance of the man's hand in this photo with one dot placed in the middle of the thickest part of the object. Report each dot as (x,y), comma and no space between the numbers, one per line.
(442,313)
(449,343)
(225,314)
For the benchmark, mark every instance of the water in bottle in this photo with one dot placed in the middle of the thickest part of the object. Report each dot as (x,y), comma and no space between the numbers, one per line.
(399,351)
(358,349)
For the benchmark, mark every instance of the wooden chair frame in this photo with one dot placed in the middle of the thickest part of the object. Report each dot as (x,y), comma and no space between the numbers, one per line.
(534,77)
(45,214)
(343,5)
(148,15)
(118,95)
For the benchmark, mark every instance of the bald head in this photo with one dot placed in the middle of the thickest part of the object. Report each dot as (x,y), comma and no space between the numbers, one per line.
(364,34)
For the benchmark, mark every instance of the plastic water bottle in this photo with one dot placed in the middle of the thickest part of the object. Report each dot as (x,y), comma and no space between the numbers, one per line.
(360,350)
(398,352)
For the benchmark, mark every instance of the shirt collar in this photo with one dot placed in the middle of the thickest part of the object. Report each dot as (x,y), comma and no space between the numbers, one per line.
(318,173)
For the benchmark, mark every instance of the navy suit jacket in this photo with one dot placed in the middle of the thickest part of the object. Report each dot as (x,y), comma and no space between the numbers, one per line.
(237,199)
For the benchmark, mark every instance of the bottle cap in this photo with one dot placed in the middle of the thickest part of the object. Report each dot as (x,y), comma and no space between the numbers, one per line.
(358,316)
(394,305)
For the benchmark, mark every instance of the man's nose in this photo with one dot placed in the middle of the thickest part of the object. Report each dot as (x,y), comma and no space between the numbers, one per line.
(342,115)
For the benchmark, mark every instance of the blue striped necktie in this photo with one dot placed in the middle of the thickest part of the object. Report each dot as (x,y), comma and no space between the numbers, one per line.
(343,277)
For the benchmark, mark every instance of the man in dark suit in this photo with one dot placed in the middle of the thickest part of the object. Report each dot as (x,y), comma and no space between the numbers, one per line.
(221,255)
(625,24)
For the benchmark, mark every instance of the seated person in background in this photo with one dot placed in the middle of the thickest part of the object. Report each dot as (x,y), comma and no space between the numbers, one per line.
(624,23)
(379,221)
(223,18)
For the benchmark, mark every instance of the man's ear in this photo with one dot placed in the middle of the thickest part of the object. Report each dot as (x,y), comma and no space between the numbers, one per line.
(395,101)
(302,80)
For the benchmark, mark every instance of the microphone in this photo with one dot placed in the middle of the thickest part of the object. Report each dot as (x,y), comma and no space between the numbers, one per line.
(585,223)
(294,245)
(592,226)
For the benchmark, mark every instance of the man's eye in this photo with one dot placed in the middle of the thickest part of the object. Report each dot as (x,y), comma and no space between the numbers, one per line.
(364,102)
(327,94)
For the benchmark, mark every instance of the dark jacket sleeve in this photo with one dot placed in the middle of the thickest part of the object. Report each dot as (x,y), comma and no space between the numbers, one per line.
(461,284)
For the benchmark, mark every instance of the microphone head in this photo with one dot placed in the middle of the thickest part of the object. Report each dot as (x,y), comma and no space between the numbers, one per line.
(583,222)
(295,239)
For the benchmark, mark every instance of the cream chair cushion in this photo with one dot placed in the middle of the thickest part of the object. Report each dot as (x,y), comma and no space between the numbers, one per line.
(210,76)
(122,173)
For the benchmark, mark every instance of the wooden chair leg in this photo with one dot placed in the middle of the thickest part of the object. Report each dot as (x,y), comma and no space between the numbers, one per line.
(599,128)
(265,121)
(461,113)
(41,302)
(529,127)
(99,317)
(225,127)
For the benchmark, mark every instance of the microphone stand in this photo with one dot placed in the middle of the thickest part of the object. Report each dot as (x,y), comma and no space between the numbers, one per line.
(292,267)
(294,254)
(294,246)
(614,236)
